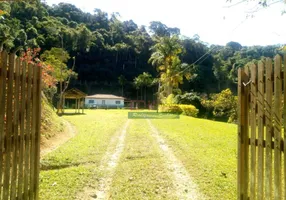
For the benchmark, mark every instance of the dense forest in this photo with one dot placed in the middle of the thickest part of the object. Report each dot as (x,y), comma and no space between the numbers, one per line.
(120,57)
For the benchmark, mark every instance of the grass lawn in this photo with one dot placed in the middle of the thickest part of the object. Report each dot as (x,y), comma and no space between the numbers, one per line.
(208,151)
(65,171)
(141,173)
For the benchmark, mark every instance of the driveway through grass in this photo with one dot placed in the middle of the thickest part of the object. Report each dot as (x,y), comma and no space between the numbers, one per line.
(111,158)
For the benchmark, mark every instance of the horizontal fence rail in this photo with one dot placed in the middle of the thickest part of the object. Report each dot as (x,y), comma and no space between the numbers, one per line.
(20,115)
(262,130)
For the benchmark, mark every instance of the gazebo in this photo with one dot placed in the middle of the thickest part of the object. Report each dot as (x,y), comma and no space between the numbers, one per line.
(78,96)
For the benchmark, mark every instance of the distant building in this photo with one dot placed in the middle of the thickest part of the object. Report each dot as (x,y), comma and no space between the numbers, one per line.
(104,101)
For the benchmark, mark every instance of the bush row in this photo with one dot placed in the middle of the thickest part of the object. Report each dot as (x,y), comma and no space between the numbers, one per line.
(221,106)
(188,110)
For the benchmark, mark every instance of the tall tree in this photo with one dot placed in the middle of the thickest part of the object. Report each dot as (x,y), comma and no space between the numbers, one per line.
(165,58)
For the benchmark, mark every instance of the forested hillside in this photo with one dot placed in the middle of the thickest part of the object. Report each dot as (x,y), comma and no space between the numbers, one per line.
(109,54)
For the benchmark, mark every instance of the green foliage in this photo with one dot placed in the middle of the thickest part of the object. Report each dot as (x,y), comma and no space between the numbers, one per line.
(189,110)
(170,108)
(223,105)
(190,98)
(170,100)
(57,58)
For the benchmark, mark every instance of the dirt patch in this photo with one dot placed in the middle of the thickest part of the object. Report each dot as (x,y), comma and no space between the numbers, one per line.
(107,167)
(185,187)
(51,144)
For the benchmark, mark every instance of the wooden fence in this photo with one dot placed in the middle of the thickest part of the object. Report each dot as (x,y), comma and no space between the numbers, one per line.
(20,108)
(261,130)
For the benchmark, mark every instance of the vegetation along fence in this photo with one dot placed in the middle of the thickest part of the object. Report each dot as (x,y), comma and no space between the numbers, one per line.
(261,130)
(20,96)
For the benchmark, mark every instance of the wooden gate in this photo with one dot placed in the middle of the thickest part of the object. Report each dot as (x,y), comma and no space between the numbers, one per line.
(20,117)
(261,130)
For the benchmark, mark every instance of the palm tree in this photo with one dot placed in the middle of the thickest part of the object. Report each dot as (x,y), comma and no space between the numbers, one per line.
(143,81)
(165,57)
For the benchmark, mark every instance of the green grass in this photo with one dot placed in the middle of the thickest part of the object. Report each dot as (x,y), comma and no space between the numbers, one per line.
(141,173)
(68,169)
(208,151)
(206,148)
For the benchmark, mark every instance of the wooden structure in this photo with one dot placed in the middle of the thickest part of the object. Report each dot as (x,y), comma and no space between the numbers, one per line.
(78,96)
(262,130)
(20,121)
(134,103)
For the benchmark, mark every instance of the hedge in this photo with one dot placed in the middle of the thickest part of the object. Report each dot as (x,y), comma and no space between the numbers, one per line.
(188,110)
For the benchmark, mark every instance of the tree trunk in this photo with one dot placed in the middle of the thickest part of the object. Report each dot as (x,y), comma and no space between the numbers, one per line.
(141,93)
(137,94)
(116,58)
(122,90)
(145,94)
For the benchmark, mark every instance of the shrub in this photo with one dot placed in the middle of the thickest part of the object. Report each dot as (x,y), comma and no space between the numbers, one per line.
(189,110)
(170,100)
(170,108)
(222,105)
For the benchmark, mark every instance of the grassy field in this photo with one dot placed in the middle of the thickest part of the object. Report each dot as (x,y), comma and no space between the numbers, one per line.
(68,169)
(141,173)
(207,149)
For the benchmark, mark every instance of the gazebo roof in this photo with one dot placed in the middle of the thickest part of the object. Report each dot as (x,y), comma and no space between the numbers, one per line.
(74,94)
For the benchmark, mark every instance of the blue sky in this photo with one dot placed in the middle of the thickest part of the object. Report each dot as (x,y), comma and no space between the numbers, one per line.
(213,20)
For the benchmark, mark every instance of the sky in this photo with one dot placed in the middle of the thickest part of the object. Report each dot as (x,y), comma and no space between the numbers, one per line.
(215,21)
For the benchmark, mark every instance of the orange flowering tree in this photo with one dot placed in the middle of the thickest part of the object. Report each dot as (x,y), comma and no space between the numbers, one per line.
(31,56)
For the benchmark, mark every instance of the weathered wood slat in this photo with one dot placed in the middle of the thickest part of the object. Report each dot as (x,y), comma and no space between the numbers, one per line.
(253,171)
(240,154)
(277,127)
(9,127)
(246,136)
(20,117)
(38,134)
(22,130)
(34,125)
(15,130)
(284,123)
(260,103)
(28,135)
(269,129)
(3,85)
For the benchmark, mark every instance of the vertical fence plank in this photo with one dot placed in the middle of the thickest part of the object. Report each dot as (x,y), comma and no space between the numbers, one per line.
(9,125)
(284,120)
(15,131)
(33,133)
(246,134)
(28,132)
(277,127)
(260,171)
(38,133)
(240,152)
(269,129)
(3,85)
(253,132)
(22,129)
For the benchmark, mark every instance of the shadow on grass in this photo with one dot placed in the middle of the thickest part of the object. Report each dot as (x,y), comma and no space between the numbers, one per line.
(47,167)
(71,114)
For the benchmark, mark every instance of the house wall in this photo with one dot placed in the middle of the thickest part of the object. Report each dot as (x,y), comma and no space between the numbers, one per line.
(108,102)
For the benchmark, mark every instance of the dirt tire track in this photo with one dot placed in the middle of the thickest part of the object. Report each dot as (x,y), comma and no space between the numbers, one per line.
(107,166)
(185,187)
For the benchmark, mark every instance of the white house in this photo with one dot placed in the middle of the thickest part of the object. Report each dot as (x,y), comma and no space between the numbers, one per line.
(104,101)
